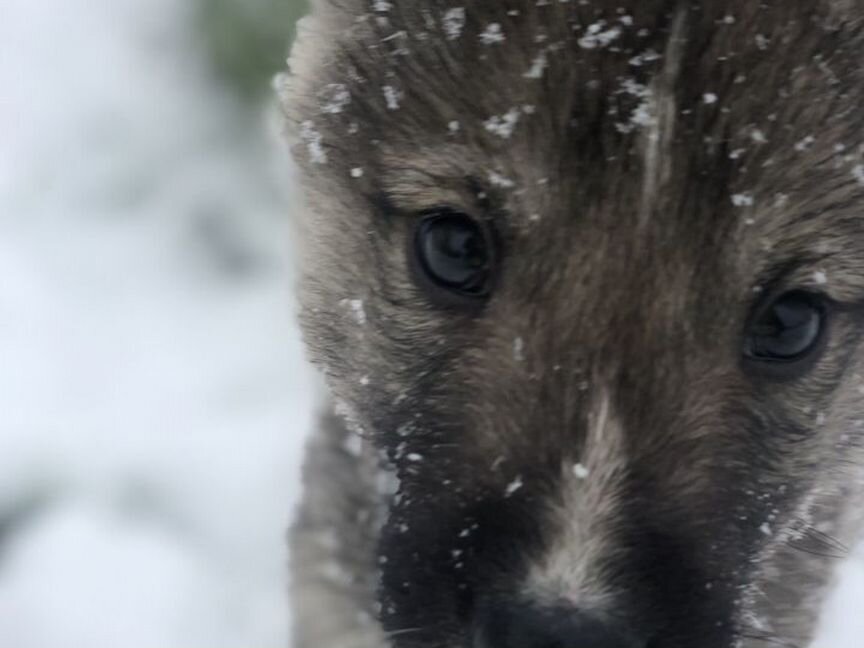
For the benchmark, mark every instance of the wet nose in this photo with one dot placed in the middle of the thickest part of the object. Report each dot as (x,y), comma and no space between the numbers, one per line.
(517,626)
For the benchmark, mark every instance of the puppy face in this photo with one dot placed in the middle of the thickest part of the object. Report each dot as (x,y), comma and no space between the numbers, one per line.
(591,276)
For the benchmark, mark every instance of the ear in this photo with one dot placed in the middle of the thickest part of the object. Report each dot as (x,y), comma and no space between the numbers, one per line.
(318,35)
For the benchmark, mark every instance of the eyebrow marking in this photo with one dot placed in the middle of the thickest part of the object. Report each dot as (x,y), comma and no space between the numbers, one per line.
(443,176)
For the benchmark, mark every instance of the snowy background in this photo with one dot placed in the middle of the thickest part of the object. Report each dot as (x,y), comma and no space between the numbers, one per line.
(153,394)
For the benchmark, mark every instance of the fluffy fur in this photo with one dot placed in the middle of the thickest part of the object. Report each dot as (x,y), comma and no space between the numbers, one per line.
(591,434)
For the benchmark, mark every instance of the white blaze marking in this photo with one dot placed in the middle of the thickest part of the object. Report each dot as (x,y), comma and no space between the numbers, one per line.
(569,569)
(357,309)
(658,114)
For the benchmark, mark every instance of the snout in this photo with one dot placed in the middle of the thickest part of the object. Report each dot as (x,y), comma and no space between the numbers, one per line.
(532,626)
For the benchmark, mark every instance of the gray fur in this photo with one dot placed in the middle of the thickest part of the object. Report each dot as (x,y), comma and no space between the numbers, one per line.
(651,177)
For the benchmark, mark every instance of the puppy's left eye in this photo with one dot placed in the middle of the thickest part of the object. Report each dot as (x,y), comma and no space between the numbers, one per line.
(789,329)
(454,252)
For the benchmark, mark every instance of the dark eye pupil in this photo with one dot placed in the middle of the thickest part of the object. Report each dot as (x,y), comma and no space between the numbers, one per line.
(787,330)
(453,252)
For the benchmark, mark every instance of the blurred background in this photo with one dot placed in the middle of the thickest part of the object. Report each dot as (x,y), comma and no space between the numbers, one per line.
(153,392)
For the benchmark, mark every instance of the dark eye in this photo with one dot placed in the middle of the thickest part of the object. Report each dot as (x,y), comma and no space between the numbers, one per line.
(455,253)
(789,329)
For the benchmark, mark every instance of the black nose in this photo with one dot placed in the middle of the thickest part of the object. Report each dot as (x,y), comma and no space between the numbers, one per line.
(517,626)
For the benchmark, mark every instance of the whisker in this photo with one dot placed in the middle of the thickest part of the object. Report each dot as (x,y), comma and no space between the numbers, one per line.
(813,552)
(770,639)
(828,540)
(404,631)
(811,541)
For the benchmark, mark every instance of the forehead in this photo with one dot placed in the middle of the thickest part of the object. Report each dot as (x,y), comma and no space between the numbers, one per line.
(727,107)
(423,65)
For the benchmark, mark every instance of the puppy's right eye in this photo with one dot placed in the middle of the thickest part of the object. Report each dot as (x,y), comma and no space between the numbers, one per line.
(455,253)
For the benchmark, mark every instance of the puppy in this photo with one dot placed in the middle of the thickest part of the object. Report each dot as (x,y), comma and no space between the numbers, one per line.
(585,280)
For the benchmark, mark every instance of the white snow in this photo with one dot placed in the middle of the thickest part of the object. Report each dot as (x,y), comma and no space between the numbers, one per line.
(513,486)
(334,97)
(596,36)
(492,35)
(643,113)
(406,429)
(453,22)
(498,180)
(519,349)
(503,125)
(805,143)
(758,136)
(393,97)
(743,200)
(538,66)
(647,56)
(313,141)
